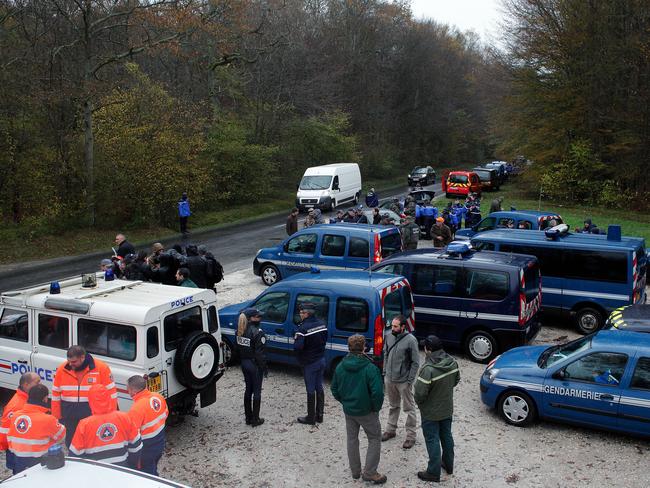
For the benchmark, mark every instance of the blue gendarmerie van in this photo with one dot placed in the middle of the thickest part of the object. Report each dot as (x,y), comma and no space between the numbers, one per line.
(584,276)
(511,219)
(484,302)
(328,246)
(349,302)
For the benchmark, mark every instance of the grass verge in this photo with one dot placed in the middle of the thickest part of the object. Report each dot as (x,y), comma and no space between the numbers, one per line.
(16,245)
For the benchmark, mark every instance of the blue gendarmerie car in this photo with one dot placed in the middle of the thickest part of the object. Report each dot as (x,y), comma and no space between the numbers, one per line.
(601,380)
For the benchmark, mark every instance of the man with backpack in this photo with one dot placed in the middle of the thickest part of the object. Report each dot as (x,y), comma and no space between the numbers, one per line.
(214,270)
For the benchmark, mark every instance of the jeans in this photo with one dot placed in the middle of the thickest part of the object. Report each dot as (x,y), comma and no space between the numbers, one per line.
(437,432)
(372,428)
(313,374)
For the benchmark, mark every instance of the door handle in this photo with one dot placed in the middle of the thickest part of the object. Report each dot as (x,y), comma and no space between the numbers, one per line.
(279,331)
(607,397)
(22,361)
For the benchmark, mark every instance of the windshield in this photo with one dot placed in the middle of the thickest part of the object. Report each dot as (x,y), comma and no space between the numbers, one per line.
(458,179)
(484,175)
(419,171)
(315,182)
(557,353)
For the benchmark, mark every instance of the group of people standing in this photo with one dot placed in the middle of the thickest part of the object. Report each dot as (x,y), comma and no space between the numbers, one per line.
(357,384)
(83,413)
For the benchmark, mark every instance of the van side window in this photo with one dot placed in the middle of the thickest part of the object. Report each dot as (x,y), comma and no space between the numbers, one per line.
(359,248)
(483,246)
(321,304)
(506,223)
(179,324)
(600,367)
(436,280)
(550,260)
(393,306)
(333,245)
(641,378)
(152,342)
(213,322)
(395,268)
(487,285)
(352,314)
(274,307)
(304,243)
(596,265)
(487,223)
(14,325)
(53,331)
(107,339)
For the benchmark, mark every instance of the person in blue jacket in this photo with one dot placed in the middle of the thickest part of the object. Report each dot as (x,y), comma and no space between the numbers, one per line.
(184,212)
(309,346)
(429,214)
(372,199)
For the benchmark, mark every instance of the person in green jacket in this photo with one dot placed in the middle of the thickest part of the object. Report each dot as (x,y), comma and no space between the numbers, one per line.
(434,395)
(358,386)
(183,278)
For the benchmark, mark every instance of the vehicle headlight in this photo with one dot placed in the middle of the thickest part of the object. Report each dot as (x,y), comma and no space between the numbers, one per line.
(490,374)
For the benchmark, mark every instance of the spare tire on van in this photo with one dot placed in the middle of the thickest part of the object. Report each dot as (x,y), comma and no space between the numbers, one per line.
(197,360)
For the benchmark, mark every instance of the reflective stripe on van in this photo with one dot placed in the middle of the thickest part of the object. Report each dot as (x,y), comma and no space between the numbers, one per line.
(588,294)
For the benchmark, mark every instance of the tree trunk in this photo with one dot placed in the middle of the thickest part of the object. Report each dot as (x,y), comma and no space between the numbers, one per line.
(89,160)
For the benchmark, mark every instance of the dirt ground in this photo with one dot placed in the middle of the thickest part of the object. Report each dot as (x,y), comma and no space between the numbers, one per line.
(218,449)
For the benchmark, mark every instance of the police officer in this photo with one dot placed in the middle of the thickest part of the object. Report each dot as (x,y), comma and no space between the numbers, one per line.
(395,206)
(250,342)
(429,213)
(309,345)
(410,233)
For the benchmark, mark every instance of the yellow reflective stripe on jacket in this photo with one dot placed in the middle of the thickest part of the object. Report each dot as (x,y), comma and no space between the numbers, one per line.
(428,382)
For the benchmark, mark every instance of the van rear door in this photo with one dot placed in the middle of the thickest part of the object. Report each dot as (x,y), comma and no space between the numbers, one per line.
(639,274)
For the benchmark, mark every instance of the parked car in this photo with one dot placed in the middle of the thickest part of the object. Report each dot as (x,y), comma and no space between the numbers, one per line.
(484,302)
(584,276)
(326,187)
(630,317)
(419,195)
(601,380)
(461,183)
(490,179)
(424,175)
(349,302)
(331,246)
(500,166)
(511,219)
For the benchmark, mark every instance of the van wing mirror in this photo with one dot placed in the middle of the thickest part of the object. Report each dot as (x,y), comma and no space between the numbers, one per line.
(335,186)
(286,246)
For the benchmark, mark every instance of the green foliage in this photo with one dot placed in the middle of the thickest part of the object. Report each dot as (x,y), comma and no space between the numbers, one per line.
(239,170)
(148,146)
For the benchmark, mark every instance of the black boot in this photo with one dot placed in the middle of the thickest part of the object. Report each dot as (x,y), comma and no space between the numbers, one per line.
(310,419)
(320,406)
(256,420)
(248,411)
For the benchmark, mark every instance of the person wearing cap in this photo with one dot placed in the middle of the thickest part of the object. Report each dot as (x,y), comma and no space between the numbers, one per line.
(434,395)
(350,216)
(250,344)
(357,385)
(309,220)
(105,264)
(440,233)
(401,362)
(309,346)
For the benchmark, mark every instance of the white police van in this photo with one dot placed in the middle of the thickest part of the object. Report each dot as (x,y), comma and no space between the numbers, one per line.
(169,334)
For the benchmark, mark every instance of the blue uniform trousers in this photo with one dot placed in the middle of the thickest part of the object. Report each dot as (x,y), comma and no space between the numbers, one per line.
(313,374)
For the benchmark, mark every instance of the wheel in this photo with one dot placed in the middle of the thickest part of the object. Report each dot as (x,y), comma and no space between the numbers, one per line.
(517,408)
(197,360)
(230,355)
(589,320)
(481,346)
(332,205)
(447,195)
(270,274)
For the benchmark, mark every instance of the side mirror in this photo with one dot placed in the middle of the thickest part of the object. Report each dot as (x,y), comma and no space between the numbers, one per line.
(559,374)
(335,186)
(286,247)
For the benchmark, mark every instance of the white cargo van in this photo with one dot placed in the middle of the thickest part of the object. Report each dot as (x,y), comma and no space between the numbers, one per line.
(327,186)
(168,334)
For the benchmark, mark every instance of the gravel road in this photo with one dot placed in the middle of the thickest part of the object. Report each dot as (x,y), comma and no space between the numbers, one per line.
(218,449)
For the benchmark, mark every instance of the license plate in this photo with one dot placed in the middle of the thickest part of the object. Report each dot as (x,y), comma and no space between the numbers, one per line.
(154,384)
(309,206)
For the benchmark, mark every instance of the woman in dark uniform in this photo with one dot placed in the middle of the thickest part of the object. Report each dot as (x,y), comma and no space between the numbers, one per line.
(250,343)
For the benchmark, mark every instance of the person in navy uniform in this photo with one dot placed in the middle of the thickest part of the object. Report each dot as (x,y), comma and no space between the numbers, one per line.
(250,343)
(309,346)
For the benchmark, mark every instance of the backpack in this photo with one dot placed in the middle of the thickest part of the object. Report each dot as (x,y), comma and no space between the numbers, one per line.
(215,270)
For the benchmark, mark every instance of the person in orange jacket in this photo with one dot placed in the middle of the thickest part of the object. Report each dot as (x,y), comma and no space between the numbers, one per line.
(71,385)
(148,413)
(108,435)
(32,430)
(17,402)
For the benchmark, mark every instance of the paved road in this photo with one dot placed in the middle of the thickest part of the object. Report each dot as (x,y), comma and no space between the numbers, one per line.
(233,246)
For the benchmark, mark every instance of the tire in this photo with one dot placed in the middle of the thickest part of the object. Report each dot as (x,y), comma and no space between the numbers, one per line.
(230,355)
(517,408)
(269,274)
(332,205)
(589,320)
(481,346)
(448,195)
(197,360)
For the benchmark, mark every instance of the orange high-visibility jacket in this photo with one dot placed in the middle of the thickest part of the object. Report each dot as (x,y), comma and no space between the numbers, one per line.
(33,431)
(17,402)
(149,413)
(70,396)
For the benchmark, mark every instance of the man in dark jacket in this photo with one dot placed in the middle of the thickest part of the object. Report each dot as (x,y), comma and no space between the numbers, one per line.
(309,346)
(124,247)
(434,394)
(214,270)
(357,385)
(292,222)
(197,265)
(372,199)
